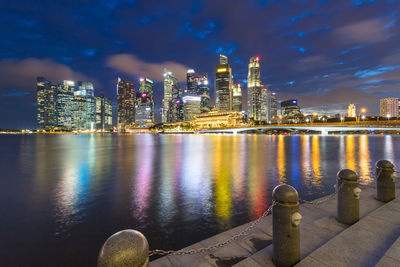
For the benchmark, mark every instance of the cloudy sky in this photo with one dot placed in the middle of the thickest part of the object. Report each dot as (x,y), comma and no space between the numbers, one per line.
(326,53)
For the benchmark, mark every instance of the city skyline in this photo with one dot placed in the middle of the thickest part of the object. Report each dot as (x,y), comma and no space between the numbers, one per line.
(326,54)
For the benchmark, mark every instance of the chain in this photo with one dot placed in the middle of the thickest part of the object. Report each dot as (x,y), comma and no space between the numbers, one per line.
(218,245)
(324,199)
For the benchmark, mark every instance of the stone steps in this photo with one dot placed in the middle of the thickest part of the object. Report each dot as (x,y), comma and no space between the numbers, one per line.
(363,243)
(392,255)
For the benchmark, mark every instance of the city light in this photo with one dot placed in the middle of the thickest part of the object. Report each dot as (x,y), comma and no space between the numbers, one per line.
(221,70)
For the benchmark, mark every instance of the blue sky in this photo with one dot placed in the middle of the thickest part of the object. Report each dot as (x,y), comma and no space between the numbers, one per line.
(325,53)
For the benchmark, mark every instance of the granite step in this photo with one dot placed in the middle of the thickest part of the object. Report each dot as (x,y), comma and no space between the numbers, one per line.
(392,255)
(363,243)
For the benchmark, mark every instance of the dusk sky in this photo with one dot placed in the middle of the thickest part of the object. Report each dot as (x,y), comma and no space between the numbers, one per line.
(324,53)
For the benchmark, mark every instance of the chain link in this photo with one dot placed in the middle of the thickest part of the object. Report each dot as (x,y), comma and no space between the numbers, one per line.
(323,199)
(218,245)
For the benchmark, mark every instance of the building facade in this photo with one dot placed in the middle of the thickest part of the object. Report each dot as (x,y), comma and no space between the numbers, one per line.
(237,97)
(216,119)
(103,113)
(191,106)
(65,105)
(254,92)
(351,111)
(46,99)
(144,107)
(125,104)
(84,111)
(223,85)
(172,99)
(389,107)
(290,111)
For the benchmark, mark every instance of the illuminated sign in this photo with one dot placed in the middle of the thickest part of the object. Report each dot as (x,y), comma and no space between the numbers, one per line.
(221,70)
(294,101)
(148,80)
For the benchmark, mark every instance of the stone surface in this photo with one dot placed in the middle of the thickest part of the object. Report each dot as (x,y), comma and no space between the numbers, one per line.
(285,193)
(125,248)
(348,175)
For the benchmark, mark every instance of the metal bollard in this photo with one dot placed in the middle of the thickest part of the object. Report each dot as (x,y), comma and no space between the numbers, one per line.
(285,226)
(348,204)
(125,248)
(385,181)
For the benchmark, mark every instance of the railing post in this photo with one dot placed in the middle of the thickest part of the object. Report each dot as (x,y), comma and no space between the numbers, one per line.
(285,226)
(385,177)
(348,204)
(125,248)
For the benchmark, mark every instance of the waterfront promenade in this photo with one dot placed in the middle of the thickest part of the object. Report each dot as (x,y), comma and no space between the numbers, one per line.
(373,240)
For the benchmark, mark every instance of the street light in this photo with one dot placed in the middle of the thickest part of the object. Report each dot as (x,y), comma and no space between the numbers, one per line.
(362,110)
(388,116)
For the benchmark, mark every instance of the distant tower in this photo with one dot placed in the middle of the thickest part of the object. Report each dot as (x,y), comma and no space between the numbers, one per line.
(389,107)
(171,104)
(351,111)
(237,97)
(223,85)
(125,104)
(254,89)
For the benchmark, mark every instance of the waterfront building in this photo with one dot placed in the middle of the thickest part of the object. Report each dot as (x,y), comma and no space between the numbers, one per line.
(84,112)
(172,94)
(46,99)
(197,84)
(237,97)
(254,90)
(125,104)
(65,105)
(144,105)
(217,119)
(389,107)
(103,113)
(351,111)
(290,111)
(223,85)
(191,106)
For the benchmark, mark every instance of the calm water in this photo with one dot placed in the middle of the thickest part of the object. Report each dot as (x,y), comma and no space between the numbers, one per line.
(62,196)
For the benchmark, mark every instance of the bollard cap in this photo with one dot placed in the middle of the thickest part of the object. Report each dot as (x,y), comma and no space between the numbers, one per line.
(286,194)
(347,175)
(125,248)
(384,164)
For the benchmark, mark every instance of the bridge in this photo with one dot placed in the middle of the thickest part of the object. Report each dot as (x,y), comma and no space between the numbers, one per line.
(323,129)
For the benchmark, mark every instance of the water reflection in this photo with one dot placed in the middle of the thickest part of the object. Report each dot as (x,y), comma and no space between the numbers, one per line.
(163,185)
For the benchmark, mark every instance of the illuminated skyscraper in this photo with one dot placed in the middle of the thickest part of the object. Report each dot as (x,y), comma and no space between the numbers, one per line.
(274,107)
(144,107)
(46,104)
(389,107)
(191,106)
(84,114)
(197,85)
(351,111)
(223,85)
(254,94)
(237,97)
(290,111)
(125,104)
(171,101)
(65,105)
(103,113)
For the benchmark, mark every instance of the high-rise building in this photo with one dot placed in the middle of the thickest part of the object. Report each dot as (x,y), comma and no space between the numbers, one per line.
(125,104)
(237,97)
(274,107)
(197,85)
(171,101)
(223,85)
(46,104)
(191,106)
(290,111)
(84,113)
(103,113)
(389,107)
(351,111)
(254,93)
(144,107)
(65,105)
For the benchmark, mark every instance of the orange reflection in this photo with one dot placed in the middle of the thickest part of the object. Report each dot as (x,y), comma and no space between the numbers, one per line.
(316,162)
(365,161)
(350,153)
(222,193)
(281,160)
